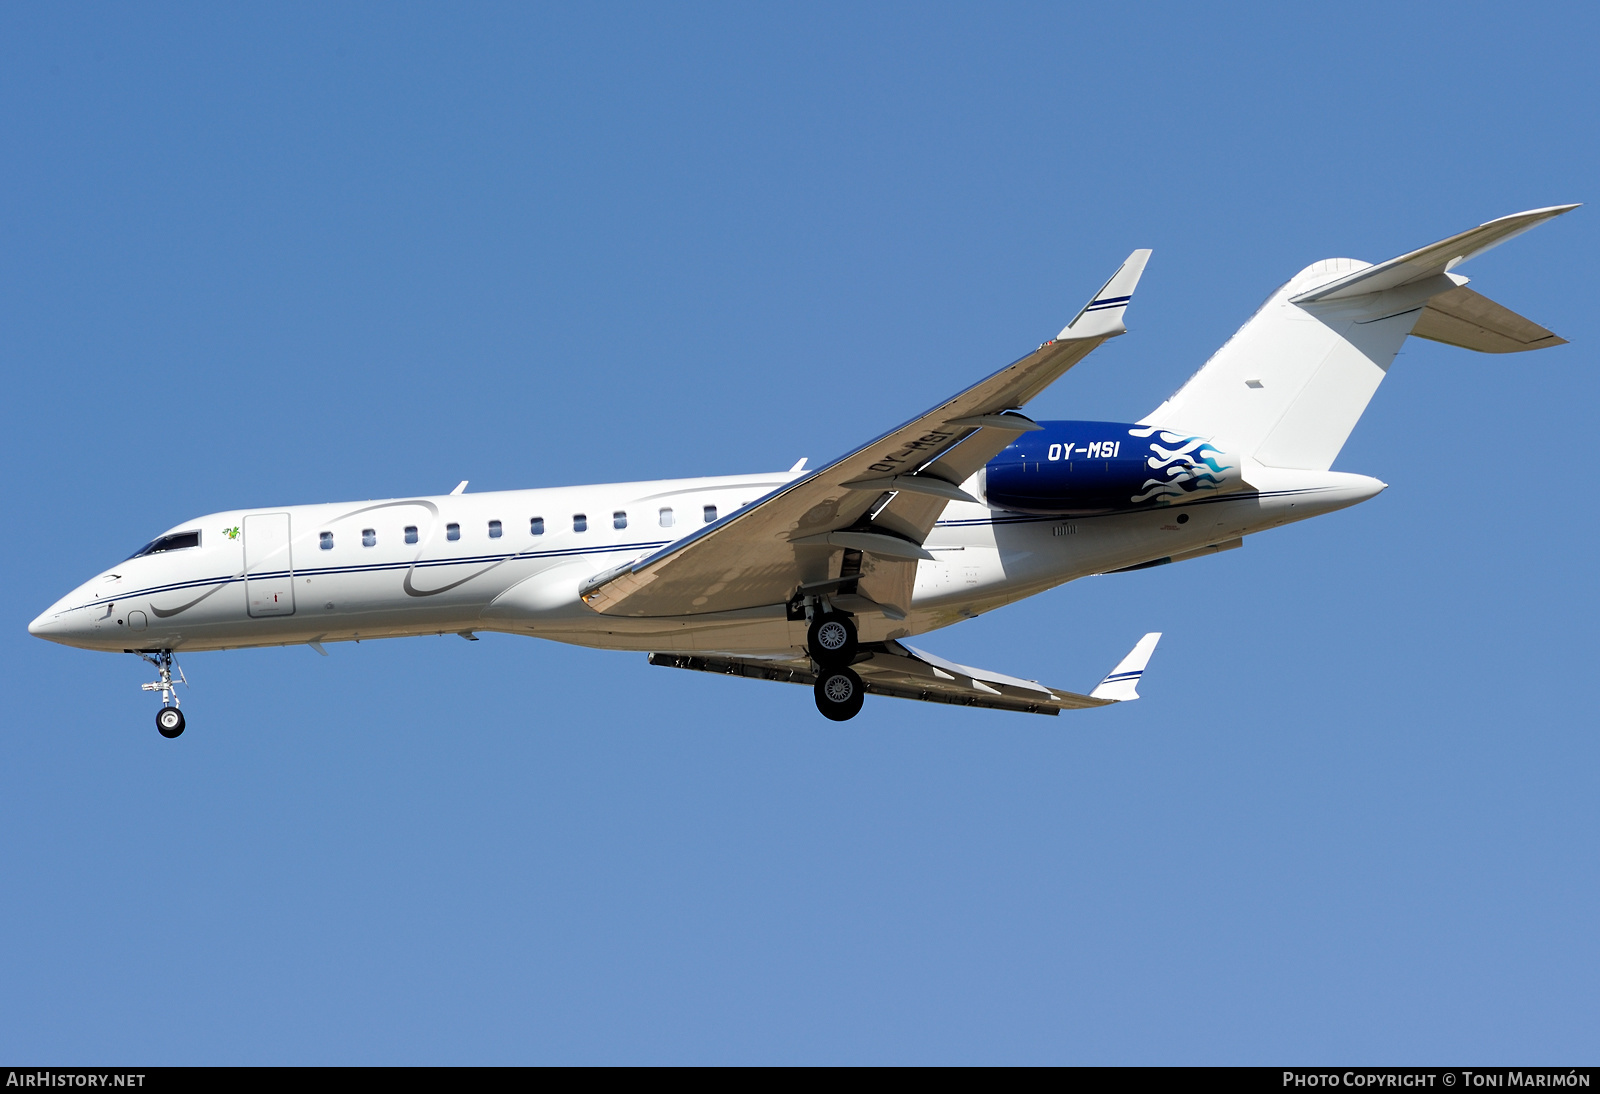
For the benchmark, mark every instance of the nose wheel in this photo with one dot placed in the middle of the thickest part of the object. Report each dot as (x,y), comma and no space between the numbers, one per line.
(169,722)
(169,719)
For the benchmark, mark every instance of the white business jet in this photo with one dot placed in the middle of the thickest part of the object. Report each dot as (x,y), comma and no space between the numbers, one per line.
(820,577)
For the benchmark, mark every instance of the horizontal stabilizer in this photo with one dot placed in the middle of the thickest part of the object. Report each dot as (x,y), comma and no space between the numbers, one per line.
(1432,260)
(1470,320)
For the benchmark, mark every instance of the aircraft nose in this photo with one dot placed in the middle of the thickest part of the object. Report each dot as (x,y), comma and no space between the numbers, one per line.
(55,624)
(69,620)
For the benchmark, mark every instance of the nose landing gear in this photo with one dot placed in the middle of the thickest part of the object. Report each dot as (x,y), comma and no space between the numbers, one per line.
(169,719)
(169,722)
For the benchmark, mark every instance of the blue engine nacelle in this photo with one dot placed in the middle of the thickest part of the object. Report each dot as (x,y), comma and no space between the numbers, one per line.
(1079,468)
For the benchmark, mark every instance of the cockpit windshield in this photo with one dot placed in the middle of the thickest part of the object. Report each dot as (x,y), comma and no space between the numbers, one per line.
(177,541)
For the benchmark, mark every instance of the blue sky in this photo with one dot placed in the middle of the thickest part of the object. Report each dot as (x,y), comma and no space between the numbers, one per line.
(260,256)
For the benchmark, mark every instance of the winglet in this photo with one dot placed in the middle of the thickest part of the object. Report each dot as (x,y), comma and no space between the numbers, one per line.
(1123,682)
(1101,317)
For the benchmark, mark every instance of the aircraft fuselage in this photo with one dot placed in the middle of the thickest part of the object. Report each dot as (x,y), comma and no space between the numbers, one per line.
(512,561)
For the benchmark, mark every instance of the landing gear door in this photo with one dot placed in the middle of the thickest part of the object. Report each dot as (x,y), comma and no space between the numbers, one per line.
(269,570)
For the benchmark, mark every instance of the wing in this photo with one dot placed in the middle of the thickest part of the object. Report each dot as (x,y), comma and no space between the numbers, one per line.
(860,521)
(905,672)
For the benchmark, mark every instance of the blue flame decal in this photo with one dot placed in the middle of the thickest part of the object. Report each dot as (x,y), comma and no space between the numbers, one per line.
(1189,464)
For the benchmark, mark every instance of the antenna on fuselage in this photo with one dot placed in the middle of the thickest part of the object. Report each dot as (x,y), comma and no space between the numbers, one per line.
(461,488)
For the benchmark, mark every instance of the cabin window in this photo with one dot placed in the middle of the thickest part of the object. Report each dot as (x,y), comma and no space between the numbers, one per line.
(580,522)
(494,529)
(411,533)
(369,537)
(177,541)
(452,531)
(326,541)
(619,519)
(536,526)
(666,518)
(711,513)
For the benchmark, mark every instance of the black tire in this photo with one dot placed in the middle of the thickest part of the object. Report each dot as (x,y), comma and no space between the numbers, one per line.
(831,640)
(169,722)
(840,694)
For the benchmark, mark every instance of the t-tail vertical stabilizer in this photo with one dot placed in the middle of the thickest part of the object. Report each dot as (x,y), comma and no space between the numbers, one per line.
(1290,385)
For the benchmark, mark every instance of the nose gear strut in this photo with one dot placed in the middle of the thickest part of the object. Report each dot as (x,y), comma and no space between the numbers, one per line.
(169,719)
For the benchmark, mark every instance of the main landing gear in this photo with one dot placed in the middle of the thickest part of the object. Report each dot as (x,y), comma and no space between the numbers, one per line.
(169,719)
(839,694)
(831,641)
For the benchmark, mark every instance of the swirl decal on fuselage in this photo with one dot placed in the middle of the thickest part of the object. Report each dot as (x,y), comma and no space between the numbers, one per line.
(406,582)
(407,585)
(412,590)
(168,613)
